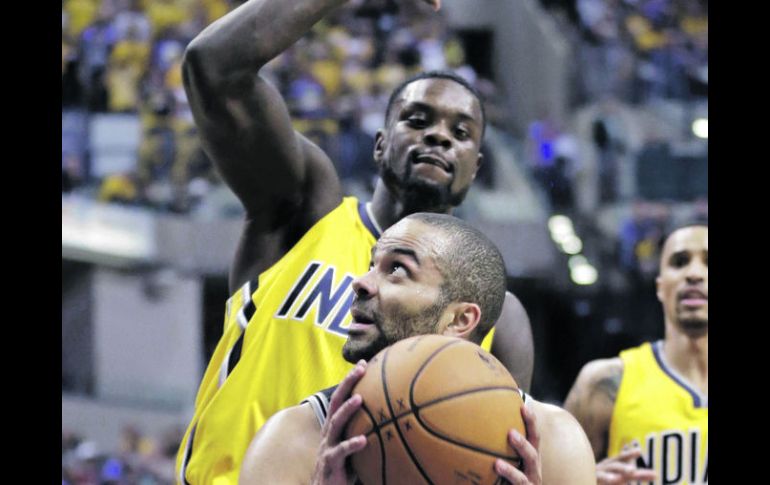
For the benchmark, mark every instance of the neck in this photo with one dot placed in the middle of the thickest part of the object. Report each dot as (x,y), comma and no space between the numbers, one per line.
(688,355)
(388,209)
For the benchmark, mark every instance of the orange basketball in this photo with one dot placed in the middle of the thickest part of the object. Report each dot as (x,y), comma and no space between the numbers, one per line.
(435,410)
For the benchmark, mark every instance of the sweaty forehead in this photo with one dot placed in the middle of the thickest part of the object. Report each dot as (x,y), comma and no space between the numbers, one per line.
(426,241)
(692,239)
(441,93)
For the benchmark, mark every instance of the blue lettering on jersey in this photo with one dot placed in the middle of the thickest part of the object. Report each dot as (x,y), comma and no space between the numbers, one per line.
(321,294)
(297,288)
(334,327)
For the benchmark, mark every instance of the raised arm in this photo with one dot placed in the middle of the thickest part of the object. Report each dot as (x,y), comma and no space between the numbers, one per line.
(512,343)
(280,177)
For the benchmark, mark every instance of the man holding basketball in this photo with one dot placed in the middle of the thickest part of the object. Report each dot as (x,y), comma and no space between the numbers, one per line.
(303,242)
(417,284)
(650,405)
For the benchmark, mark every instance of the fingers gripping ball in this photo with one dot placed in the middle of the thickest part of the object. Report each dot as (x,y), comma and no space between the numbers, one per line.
(435,410)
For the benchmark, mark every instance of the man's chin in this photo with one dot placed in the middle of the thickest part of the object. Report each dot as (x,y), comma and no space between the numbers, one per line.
(353,352)
(695,327)
(426,195)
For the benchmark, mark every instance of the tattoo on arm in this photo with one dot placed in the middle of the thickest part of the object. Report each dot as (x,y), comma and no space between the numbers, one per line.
(609,385)
(592,402)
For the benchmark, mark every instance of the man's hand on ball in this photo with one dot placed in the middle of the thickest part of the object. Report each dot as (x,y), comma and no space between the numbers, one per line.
(527,448)
(332,453)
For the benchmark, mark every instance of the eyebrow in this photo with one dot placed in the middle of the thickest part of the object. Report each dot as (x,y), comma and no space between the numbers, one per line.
(407,252)
(687,252)
(410,253)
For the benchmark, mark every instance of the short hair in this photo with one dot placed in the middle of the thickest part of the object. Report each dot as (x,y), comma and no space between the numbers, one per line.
(667,234)
(440,74)
(472,267)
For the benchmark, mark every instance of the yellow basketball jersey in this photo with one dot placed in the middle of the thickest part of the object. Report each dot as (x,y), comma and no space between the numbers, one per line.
(282,341)
(664,414)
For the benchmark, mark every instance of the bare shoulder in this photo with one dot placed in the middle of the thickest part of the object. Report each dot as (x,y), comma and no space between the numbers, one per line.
(565,451)
(514,311)
(284,448)
(601,375)
(512,343)
(556,422)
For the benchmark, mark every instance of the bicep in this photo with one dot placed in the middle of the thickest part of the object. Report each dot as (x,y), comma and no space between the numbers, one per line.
(592,399)
(512,343)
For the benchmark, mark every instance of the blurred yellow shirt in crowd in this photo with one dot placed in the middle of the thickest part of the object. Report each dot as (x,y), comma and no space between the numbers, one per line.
(80,13)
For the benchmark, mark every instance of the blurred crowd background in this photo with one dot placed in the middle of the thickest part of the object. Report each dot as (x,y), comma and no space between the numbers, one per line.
(621,163)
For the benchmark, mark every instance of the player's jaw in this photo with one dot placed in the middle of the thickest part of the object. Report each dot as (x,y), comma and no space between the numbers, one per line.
(365,337)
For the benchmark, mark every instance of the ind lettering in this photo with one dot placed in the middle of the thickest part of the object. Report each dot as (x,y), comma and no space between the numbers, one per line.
(327,297)
(671,468)
(297,289)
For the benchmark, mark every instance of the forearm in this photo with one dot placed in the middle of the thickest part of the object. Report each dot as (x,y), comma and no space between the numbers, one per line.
(256,32)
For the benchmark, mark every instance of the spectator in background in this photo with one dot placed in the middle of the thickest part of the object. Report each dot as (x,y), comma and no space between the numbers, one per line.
(96,44)
(192,171)
(352,156)
(71,172)
(119,188)
(79,15)
(701,211)
(547,168)
(157,152)
(640,238)
(71,89)
(127,66)
(132,21)
(455,59)
(133,48)
(164,15)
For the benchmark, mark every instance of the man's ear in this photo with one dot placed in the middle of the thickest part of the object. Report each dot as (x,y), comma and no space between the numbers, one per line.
(659,290)
(379,146)
(479,161)
(460,319)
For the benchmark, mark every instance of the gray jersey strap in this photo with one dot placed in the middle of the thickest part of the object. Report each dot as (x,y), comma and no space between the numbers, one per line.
(320,404)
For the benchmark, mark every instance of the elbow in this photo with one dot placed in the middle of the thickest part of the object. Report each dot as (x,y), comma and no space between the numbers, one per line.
(194,61)
(200,74)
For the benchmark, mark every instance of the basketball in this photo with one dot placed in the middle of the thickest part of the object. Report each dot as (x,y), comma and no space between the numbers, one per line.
(435,410)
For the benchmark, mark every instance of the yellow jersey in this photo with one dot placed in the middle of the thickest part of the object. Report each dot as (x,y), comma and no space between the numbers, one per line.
(668,417)
(282,341)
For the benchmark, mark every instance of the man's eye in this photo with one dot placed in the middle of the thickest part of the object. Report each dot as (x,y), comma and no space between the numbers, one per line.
(680,261)
(417,122)
(398,269)
(461,134)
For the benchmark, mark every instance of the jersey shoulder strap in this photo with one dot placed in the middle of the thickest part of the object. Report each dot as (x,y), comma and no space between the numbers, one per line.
(320,404)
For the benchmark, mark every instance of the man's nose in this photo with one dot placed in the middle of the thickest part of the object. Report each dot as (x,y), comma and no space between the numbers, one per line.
(438,135)
(364,286)
(697,271)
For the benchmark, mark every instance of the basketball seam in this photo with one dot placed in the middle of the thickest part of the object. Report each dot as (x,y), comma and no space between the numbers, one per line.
(376,429)
(398,429)
(442,399)
(416,409)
